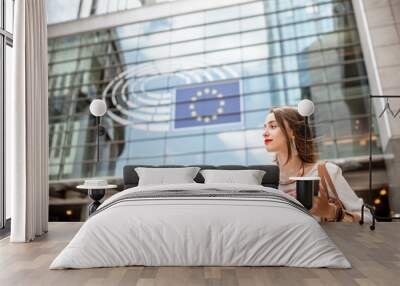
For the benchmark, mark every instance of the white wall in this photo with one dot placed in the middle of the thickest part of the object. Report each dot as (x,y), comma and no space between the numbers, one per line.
(378,22)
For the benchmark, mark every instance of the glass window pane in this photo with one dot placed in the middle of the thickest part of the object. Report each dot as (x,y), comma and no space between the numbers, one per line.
(253,23)
(8,69)
(292,79)
(226,158)
(257,101)
(312,77)
(129,30)
(66,54)
(332,73)
(256,84)
(308,44)
(192,19)
(256,37)
(286,17)
(8,81)
(338,39)
(222,28)
(224,140)
(306,29)
(289,47)
(156,26)
(304,14)
(84,169)
(255,68)
(222,14)
(129,44)
(66,42)
(350,107)
(154,39)
(319,93)
(255,52)
(191,47)
(228,71)
(310,60)
(290,63)
(255,119)
(351,146)
(259,156)
(9,15)
(277,97)
(288,32)
(147,148)
(255,8)
(152,53)
(254,137)
(61,10)
(224,42)
(322,112)
(187,34)
(157,160)
(182,145)
(288,4)
(194,159)
(224,57)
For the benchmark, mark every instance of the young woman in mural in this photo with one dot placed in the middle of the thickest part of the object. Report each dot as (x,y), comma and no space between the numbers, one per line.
(284,135)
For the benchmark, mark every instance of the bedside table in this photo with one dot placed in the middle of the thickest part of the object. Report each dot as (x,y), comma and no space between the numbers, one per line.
(96,193)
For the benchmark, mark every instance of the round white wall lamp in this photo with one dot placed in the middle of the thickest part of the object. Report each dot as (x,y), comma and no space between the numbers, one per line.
(305,107)
(98,107)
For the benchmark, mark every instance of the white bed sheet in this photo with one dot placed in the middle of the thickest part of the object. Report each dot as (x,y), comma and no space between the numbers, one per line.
(200,231)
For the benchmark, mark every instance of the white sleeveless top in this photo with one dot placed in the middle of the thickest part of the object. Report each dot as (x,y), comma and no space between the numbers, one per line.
(290,189)
(351,202)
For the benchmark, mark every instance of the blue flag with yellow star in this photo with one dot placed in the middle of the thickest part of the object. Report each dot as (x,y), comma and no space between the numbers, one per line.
(207,104)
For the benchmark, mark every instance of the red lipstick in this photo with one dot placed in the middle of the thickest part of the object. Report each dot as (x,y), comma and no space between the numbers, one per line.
(267,141)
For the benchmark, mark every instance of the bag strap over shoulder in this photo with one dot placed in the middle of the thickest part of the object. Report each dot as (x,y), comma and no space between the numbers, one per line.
(321,174)
(326,178)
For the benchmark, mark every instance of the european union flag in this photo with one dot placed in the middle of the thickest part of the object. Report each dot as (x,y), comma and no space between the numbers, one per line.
(207,104)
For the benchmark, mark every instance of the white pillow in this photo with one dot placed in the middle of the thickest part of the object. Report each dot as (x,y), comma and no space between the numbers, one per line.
(248,177)
(162,176)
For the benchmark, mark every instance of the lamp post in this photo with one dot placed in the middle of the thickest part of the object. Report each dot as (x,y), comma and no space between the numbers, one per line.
(98,108)
(306,108)
(97,187)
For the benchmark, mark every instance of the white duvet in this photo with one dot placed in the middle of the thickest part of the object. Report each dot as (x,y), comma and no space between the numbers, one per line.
(200,231)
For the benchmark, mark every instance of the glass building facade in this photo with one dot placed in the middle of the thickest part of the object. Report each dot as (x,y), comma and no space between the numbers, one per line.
(6,63)
(157,74)
(70,10)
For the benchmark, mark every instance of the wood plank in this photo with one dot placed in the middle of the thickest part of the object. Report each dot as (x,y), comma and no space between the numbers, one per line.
(374,255)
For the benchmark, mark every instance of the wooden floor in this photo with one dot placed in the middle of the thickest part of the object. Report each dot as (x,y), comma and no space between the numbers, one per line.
(375,256)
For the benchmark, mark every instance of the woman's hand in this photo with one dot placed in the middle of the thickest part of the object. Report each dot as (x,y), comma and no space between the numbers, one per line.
(322,207)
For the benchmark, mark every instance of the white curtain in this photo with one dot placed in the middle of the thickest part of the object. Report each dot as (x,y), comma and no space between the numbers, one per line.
(27,124)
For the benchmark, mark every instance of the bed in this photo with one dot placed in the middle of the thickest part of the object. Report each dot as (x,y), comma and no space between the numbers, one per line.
(198,224)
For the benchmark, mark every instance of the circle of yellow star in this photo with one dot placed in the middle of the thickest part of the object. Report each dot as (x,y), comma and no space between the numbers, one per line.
(206,118)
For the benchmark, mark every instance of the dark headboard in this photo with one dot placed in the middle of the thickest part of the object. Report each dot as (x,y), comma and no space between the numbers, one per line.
(270,179)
